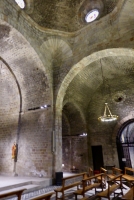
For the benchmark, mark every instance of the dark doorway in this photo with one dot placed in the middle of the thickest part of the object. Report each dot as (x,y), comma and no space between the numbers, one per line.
(97,157)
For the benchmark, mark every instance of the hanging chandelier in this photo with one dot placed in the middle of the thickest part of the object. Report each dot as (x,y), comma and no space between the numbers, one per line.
(107,117)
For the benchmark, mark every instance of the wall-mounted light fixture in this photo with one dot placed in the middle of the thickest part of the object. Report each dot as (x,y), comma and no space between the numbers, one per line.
(83,135)
(45,106)
(40,107)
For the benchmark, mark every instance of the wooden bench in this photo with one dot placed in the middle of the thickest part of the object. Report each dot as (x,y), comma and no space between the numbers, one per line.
(109,168)
(18,193)
(90,172)
(129,195)
(94,184)
(104,171)
(128,176)
(69,182)
(112,187)
(46,196)
(115,171)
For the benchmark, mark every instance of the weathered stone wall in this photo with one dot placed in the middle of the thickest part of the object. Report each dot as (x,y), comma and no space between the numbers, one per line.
(9,106)
(75,153)
(35,144)
(22,94)
(53,53)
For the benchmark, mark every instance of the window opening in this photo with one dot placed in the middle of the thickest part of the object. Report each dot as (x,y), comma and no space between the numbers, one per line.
(20,3)
(125,144)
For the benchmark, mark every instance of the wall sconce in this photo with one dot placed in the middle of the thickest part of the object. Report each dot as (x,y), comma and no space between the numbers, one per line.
(83,135)
(41,107)
(45,106)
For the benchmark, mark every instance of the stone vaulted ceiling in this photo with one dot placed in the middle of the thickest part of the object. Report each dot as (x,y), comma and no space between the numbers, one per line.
(58,39)
(68,15)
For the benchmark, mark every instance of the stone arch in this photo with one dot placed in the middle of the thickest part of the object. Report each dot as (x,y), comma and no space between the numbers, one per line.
(78,108)
(120,123)
(85,62)
(16,81)
(69,77)
(29,6)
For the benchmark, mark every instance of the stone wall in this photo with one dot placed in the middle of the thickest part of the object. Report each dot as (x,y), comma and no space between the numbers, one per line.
(35,144)
(40,65)
(74,153)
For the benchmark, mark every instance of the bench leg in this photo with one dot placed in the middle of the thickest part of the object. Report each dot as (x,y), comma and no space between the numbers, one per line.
(56,196)
(48,198)
(75,196)
(122,191)
(19,195)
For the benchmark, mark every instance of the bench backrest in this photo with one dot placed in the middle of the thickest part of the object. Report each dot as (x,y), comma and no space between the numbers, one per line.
(115,180)
(43,196)
(18,193)
(103,170)
(91,173)
(129,171)
(116,171)
(109,168)
(87,180)
(72,179)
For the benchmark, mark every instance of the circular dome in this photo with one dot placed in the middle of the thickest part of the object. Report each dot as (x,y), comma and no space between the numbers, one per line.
(92,15)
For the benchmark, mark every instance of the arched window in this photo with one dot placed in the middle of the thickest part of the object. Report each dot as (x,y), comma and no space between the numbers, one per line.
(125,144)
(20,3)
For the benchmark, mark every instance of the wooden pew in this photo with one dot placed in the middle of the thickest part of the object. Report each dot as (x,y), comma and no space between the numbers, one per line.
(129,178)
(85,198)
(109,168)
(104,171)
(69,182)
(112,187)
(90,172)
(129,195)
(94,184)
(115,171)
(46,196)
(18,193)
